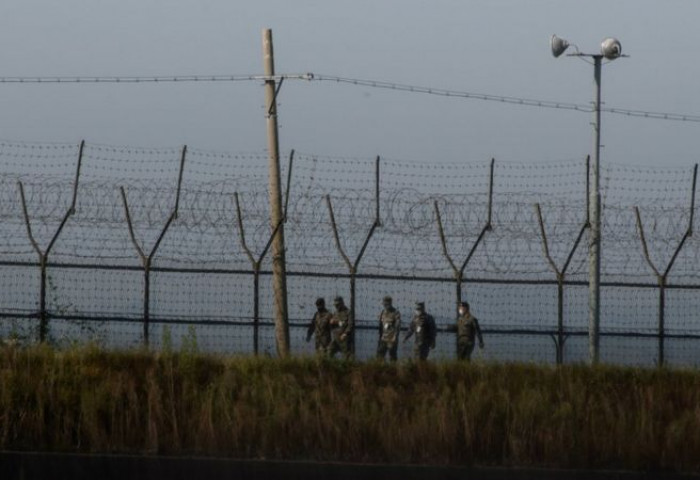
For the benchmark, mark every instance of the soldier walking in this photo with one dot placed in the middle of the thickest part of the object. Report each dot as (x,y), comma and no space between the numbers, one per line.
(343,330)
(468,330)
(425,330)
(389,327)
(320,327)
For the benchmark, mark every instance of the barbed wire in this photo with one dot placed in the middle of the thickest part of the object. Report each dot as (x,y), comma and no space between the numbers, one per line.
(95,282)
(206,232)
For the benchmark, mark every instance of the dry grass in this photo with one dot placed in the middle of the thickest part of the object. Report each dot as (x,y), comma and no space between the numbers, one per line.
(90,400)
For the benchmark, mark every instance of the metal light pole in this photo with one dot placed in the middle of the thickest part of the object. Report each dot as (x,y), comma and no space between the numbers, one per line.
(610,49)
(594,236)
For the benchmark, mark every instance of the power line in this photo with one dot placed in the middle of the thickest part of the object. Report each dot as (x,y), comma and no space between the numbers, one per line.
(506,99)
(454,93)
(154,79)
(655,115)
(529,102)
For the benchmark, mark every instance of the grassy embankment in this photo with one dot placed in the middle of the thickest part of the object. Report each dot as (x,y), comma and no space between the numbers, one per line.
(88,400)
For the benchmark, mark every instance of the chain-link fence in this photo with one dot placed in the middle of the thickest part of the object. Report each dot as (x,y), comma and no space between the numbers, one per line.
(125,245)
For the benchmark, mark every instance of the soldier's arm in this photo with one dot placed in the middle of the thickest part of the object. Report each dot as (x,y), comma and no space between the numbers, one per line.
(347,328)
(411,327)
(478,333)
(397,327)
(350,325)
(310,329)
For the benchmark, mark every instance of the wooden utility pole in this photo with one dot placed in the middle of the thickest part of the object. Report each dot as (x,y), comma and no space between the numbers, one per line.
(279,274)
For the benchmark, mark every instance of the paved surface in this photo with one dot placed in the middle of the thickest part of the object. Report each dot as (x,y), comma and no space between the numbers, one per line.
(26,466)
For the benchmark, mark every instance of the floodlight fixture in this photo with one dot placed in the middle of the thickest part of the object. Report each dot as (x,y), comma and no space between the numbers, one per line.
(611,48)
(558,45)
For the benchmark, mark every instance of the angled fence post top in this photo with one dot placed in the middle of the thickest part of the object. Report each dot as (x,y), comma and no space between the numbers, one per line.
(69,212)
(289,185)
(662,276)
(354,265)
(586,224)
(443,241)
(241,234)
(545,243)
(147,257)
(560,273)
(130,226)
(488,226)
(183,156)
(27,222)
(255,262)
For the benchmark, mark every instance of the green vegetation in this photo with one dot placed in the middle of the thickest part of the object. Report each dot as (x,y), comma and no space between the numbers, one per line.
(91,400)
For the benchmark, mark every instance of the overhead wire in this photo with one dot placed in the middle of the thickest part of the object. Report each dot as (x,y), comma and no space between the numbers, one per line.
(507,99)
(529,102)
(151,79)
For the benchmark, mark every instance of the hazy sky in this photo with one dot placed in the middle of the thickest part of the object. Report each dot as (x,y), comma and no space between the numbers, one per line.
(490,46)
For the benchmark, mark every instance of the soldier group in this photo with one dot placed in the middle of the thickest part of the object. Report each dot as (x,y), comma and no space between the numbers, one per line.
(335,332)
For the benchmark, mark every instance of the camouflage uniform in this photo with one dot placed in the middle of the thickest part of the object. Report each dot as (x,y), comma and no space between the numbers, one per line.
(320,328)
(343,330)
(468,331)
(425,330)
(389,327)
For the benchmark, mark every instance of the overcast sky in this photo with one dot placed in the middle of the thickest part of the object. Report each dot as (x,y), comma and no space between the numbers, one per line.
(490,46)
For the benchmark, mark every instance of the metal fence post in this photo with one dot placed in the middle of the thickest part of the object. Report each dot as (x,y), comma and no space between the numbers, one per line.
(561,338)
(662,320)
(43,314)
(44,255)
(662,278)
(353,266)
(144,263)
(146,300)
(256,308)
(147,259)
(458,273)
(256,263)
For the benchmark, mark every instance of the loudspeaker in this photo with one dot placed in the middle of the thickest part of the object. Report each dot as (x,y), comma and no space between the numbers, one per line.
(558,45)
(611,48)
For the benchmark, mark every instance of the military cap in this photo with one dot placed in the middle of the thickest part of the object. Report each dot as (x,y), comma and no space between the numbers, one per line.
(386,300)
(338,301)
(464,304)
(320,302)
(420,305)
